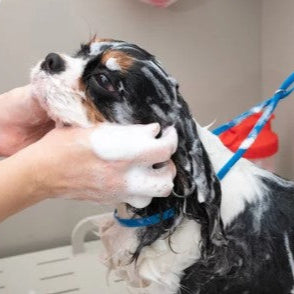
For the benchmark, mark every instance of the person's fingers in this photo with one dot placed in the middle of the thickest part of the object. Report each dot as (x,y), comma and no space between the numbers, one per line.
(119,142)
(148,182)
(19,92)
(164,177)
(152,129)
(134,142)
(167,167)
(161,149)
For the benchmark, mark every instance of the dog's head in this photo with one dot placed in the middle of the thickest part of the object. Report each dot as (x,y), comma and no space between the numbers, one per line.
(106,80)
(115,81)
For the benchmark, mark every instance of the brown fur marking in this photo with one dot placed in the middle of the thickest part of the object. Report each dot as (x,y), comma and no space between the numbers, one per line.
(93,114)
(122,59)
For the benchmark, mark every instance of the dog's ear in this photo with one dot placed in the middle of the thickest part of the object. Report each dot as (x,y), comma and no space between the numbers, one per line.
(196,180)
(209,198)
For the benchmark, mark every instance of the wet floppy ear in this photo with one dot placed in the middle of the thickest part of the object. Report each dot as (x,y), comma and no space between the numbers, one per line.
(197,182)
(209,198)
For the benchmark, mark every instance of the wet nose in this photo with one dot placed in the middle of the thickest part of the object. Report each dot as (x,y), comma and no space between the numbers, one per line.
(53,63)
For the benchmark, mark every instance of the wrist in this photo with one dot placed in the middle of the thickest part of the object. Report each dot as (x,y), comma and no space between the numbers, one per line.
(28,174)
(34,169)
(18,190)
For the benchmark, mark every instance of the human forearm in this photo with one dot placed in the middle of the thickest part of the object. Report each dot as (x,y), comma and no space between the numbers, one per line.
(86,164)
(12,116)
(17,187)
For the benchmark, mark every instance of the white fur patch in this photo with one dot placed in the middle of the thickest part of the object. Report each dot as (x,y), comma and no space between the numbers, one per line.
(158,269)
(112,64)
(241,185)
(162,266)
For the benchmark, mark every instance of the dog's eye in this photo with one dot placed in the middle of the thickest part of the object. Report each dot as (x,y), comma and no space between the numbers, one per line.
(104,82)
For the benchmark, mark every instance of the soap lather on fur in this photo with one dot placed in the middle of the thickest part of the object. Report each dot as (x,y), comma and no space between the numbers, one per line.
(230,237)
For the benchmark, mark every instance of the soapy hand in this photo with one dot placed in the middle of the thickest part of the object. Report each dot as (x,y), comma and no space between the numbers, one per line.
(136,150)
(107,164)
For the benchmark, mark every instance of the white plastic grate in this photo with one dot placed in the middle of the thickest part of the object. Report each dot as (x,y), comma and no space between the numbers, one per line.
(58,271)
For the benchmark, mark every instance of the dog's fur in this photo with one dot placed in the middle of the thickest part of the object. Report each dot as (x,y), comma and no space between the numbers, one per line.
(230,237)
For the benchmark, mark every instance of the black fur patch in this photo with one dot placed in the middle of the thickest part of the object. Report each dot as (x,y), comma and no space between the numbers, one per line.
(258,257)
(237,260)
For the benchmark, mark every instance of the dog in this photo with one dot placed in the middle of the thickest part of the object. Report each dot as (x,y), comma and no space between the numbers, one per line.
(233,236)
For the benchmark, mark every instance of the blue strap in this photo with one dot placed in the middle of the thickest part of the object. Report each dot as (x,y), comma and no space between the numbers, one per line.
(268,106)
(145,221)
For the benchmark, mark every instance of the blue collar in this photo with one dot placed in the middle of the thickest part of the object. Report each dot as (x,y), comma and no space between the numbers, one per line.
(145,221)
(268,106)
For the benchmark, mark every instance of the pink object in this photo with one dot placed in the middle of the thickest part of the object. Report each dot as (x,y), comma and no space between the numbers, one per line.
(160,3)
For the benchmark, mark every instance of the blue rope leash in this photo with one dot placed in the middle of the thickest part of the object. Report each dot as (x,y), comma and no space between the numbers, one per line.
(268,106)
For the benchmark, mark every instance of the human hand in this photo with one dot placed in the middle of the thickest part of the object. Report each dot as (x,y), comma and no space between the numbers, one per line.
(22,120)
(107,164)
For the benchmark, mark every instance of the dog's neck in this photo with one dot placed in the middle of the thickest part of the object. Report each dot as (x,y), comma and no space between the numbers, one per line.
(238,187)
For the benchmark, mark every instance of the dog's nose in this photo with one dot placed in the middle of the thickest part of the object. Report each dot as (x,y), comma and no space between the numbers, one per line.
(53,63)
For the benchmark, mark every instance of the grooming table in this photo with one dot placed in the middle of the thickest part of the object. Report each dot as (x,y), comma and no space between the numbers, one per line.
(72,269)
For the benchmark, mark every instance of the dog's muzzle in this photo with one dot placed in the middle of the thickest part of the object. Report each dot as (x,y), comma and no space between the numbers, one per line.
(53,64)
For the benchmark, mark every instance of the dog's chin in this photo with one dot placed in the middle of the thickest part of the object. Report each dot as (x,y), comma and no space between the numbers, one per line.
(59,99)
(38,83)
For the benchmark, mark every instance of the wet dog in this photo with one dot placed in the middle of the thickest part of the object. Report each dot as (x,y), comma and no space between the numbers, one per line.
(234,236)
